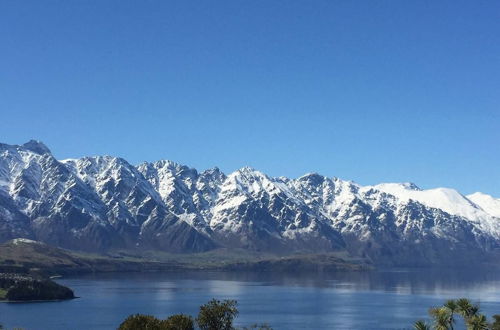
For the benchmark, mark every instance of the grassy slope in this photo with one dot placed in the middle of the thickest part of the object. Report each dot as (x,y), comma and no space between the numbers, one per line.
(26,257)
(239,259)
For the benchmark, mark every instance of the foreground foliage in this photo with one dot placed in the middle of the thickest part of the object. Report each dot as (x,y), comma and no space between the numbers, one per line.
(217,315)
(445,317)
(149,322)
(214,315)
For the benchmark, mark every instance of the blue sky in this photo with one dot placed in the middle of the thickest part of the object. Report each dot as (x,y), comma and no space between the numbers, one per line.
(371,91)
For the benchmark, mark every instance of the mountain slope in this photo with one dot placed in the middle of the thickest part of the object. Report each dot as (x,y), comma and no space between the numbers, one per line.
(101,203)
(488,203)
(448,200)
(94,203)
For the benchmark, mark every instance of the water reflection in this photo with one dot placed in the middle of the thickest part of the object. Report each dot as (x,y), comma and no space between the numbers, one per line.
(405,282)
(362,300)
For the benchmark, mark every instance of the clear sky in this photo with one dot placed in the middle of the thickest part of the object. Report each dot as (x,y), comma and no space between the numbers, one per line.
(370,91)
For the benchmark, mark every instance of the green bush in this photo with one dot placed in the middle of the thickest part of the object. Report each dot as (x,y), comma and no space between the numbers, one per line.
(496,324)
(149,322)
(179,322)
(214,315)
(141,322)
(217,315)
(445,317)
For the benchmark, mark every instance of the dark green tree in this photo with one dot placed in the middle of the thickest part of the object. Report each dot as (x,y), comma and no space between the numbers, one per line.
(217,315)
(477,322)
(179,322)
(141,322)
(441,318)
(496,323)
(466,308)
(421,325)
(452,307)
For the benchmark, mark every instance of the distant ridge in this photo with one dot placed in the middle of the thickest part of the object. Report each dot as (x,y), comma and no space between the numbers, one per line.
(102,203)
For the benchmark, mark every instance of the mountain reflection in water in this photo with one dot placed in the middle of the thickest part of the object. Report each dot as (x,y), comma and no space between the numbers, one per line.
(350,300)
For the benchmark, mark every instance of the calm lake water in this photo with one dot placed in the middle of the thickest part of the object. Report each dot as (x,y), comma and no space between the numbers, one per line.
(368,300)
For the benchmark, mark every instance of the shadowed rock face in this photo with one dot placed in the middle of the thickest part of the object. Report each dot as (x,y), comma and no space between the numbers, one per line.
(100,203)
(94,203)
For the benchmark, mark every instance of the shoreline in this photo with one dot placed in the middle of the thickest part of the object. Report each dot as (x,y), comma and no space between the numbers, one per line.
(36,301)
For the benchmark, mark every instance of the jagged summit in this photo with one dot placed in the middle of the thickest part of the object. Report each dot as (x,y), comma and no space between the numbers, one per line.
(248,170)
(104,202)
(34,146)
(37,147)
(312,177)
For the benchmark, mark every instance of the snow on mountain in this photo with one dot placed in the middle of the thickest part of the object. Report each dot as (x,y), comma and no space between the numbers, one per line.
(59,207)
(488,203)
(98,203)
(446,199)
(184,191)
(119,185)
(257,211)
(134,207)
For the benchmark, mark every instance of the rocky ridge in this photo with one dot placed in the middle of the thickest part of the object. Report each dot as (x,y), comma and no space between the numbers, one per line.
(101,203)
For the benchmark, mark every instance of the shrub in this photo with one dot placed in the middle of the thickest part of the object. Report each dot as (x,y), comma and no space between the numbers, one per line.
(217,315)
(179,322)
(141,322)
(496,324)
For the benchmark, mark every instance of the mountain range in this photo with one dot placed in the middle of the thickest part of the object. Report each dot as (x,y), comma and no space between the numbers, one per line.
(104,203)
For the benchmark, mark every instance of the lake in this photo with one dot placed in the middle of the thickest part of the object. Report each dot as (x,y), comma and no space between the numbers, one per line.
(363,300)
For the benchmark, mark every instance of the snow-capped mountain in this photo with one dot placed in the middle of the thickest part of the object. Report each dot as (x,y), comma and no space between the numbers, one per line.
(101,203)
(486,202)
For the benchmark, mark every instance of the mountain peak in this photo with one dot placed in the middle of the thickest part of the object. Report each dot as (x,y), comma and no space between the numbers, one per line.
(487,202)
(213,171)
(36,147)
(312,177)
(248,172)
(393,187)
(103,202)
(410,186)
(247,169)
(479,194)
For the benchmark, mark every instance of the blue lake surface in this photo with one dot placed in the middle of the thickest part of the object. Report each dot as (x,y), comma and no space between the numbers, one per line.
(364,300)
